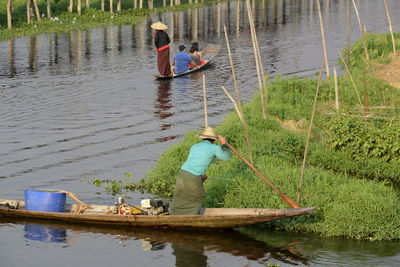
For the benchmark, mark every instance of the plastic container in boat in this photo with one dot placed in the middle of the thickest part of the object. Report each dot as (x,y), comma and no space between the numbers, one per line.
(45,200)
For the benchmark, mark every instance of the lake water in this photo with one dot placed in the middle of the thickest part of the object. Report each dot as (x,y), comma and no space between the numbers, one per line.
(84,105)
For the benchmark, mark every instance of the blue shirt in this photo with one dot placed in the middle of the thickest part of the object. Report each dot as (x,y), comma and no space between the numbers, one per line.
(202,154)
(182,61)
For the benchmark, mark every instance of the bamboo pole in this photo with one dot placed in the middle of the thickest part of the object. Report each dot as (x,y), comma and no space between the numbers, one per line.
(172,3)
(290,202)
(71,5)
(87,3)
(102,5)
(323,40)
(351,78)
(256,58)
(259,59)
(241,117)
(348,32)
(9,14)
(205,101)
(141,4)
(111,6)
(48,8)
(365,93)
(28,11)
(79,7)
(36,10)
(238,97)
(390,27)
(336,90)
(361,31)
(134,4)
(309,134)
(164,3)
(118,5)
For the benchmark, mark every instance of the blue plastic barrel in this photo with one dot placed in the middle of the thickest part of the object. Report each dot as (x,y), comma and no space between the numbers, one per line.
(45,200)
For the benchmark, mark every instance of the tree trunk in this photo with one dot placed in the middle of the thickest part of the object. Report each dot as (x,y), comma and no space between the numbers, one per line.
(37,10)
(9,13)
(28,11)
(48,9)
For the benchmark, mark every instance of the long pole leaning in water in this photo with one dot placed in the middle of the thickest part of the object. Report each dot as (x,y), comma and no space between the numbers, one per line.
(361,31)
(290,202)
(390,26)
(309,134)
(323,39)
(256,57)
(240,112)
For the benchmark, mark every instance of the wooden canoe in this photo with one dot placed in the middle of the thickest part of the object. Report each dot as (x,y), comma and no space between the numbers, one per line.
(210,218)
(210,52)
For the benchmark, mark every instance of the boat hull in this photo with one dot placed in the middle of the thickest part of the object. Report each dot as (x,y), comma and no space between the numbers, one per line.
(213,219)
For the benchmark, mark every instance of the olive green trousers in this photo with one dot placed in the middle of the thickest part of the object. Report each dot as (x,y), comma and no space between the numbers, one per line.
(188,194)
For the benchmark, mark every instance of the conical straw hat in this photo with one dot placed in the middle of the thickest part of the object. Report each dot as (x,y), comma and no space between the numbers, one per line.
(208,134)
(159,26)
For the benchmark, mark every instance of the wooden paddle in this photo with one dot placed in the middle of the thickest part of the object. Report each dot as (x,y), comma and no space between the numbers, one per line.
(290,202)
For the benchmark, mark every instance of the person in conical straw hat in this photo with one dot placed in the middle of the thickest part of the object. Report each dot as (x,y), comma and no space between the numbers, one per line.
(189,191)
(161,41)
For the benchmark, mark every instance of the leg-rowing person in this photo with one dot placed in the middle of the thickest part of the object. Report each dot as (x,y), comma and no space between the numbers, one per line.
(189,191)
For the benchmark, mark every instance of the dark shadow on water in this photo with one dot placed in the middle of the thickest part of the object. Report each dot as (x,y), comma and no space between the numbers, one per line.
(189,246)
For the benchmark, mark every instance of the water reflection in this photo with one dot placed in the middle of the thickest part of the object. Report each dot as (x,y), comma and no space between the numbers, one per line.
(163,103)
(45,233)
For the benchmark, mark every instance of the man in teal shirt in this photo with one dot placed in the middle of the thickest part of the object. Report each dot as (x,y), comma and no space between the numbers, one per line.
(189,191)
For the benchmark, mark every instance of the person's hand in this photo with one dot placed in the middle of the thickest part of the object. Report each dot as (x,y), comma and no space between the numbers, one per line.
(204,177)
(221,139)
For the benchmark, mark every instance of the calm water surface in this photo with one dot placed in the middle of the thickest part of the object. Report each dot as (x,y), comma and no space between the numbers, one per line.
(85,105)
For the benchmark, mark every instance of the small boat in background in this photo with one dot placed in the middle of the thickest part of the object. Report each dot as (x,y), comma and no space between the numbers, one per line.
(107,215)
(211,51)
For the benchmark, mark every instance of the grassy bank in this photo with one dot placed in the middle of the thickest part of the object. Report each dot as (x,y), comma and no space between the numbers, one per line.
(353,163)
(63,21)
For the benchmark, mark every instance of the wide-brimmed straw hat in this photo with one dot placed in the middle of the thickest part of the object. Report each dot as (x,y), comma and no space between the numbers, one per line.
(159,26)
(208,134)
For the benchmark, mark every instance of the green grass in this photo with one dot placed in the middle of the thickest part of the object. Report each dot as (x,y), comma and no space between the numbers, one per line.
(353,166)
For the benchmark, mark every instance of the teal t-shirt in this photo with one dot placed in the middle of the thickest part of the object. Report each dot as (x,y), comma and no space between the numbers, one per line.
(202,154)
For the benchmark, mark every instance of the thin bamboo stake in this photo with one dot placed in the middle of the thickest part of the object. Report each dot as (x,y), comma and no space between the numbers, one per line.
(256,57)
(111,6)
(48,8)
(164,3)
(171,3)
(351,78)
(102,5)
(336,89)
(87,3)
(383,94)
(323,40)
(259,59)
(290,202)
(390,26)
(37,10)
(205,101)
(241,117)
(365,93)
(28,11)
(309,134)
(118,5)
(141,4)
(348,32)
(237,95)
(134,4)
(9,14)
(361,31)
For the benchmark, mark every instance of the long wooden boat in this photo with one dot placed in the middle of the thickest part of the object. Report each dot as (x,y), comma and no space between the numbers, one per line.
(210,218)
(210,52)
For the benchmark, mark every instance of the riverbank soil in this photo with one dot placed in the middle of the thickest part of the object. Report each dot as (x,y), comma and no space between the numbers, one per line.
(390,73)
